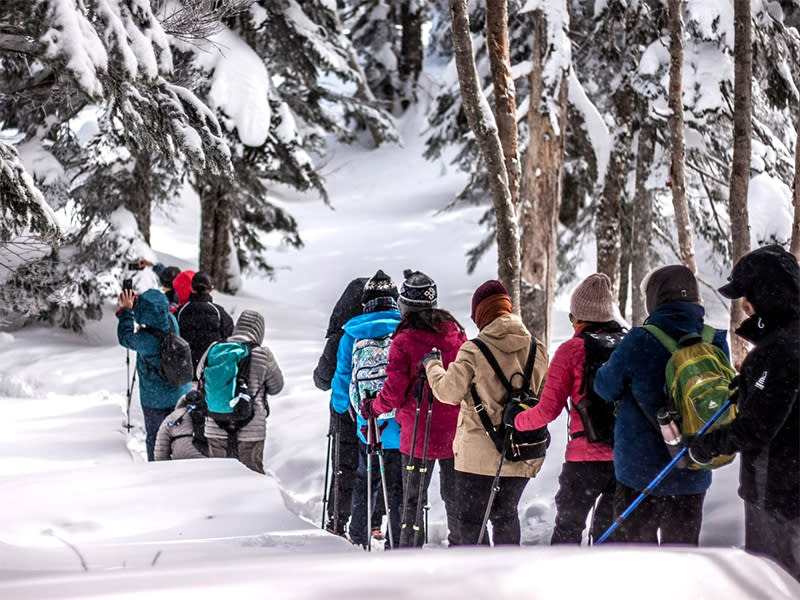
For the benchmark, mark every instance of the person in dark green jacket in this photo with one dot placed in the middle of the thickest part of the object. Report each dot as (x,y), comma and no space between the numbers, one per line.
(149,310)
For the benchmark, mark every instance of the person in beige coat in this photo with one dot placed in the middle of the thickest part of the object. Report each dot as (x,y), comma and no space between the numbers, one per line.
(175,438)
(476,458)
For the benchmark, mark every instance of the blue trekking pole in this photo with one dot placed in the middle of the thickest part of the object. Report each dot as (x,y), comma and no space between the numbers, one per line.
(658,478)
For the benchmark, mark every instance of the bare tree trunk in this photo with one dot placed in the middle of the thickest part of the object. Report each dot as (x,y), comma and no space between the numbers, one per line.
(410,49)
(642,222)
(607,217)
(676,134)
(541,195)
(141,196)
(740,169)
(625,251)
(795,245)
(505,103)
(215,231)
(481,122)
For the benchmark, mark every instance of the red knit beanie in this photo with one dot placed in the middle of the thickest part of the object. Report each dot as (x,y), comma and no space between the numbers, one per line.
(486,289)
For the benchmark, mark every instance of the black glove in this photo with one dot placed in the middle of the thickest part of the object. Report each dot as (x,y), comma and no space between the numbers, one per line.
(510,412)
(434,354)
(698,449)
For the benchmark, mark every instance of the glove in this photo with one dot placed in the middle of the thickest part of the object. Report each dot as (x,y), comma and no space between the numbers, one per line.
(434,354)
(375,434)
(698,450)
(368,410)
(510,412)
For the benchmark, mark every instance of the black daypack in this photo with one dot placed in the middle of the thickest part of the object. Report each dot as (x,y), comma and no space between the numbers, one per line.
(196,411)
(596,414)
(174,357)
(523,445)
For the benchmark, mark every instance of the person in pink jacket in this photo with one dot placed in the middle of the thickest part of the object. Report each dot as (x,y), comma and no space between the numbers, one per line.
(423,326)
(588,472)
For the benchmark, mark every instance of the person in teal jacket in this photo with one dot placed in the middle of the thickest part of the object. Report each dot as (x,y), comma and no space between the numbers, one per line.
(151,309)
(379,320)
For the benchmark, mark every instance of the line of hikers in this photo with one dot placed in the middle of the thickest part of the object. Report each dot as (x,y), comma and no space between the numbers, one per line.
(409,389)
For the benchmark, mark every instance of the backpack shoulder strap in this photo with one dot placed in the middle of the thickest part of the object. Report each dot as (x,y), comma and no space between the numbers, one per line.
(493,362)
(528,372)
(666,341)
(708,334)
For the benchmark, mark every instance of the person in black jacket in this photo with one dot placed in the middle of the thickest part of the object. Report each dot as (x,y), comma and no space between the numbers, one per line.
(767,430)
(201,321)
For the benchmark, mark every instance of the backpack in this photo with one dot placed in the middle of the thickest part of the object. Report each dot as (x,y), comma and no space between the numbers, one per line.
(224,382)
(523,445)
(370,357)
(174,357)
(698,379)
(595,413)
(196,411)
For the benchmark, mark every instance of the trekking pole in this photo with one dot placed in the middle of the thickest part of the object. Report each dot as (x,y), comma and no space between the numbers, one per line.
(423,469)
(327,474)
(495,485)
(368,521)
(382,466)
(658,478)
(337,473)
(129,391)
(418,390)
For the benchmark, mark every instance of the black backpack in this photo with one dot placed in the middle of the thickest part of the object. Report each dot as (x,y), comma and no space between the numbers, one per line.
(196,411)
(596,414)
(523,445)
(175,357)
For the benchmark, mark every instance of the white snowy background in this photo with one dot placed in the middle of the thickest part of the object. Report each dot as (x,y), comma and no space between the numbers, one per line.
(83,515)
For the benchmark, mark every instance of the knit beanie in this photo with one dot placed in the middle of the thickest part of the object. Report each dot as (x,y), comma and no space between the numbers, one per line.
(418,291)
(673,283)
(592,301)
(377,286)
(486,289)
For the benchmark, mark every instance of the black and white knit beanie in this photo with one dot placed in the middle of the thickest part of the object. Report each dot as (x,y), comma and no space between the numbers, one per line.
(378,286)
(418,291)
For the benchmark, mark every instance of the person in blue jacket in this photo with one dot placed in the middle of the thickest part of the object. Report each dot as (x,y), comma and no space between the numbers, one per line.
(149,310)
(368,334)
(634,378)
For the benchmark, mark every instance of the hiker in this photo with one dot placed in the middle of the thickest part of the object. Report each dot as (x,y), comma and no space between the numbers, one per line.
(182,284)
(158,399)
(202,322)
(265,377)
(181,434)
(766,430)
(431,427)
(634,379)
(165,275)
(476,457)
(360,370)
(342,426)
(588,470)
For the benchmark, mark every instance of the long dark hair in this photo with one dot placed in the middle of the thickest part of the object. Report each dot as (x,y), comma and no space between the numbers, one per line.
(429,319)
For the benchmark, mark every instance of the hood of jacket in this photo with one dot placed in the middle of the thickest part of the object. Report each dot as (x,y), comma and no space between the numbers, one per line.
(676,319)
(152,309)
(373,325)
(507,333)
(249,328)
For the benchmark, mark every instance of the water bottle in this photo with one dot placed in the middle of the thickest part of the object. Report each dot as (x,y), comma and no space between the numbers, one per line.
(671,434)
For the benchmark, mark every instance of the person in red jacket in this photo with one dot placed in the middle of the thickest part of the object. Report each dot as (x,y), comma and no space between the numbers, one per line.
(588,472)
(423,326)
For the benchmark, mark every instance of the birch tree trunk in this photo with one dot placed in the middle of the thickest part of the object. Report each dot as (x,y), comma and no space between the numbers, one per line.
(795,245)
(505,103)
(481,122)
(676,135)
(215,232)
(541,192)
(740,169)
(642,222)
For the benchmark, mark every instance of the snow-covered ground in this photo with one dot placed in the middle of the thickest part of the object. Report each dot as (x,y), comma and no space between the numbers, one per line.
(83,515)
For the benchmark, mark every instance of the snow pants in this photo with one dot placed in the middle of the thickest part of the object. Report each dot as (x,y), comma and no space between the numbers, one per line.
(580,484)
(772,535)
(251,454)
(152,421)
(412,480)
(358,530)
(344,463)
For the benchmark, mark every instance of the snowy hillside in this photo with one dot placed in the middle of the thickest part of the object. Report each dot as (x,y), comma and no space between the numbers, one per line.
(84,516)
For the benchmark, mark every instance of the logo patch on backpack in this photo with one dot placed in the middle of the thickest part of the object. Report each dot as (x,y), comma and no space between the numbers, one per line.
(225,386)
(698,377)
(370,357)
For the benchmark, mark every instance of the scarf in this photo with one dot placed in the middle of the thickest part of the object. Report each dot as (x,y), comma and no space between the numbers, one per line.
(492,307)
